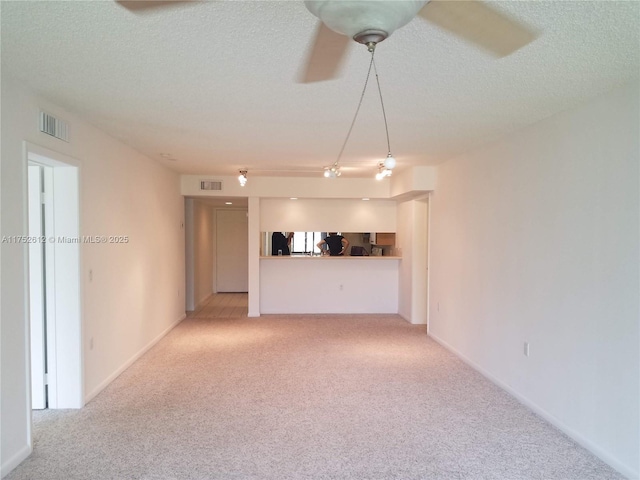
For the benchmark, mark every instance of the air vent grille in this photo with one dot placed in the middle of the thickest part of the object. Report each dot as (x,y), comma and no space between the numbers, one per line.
(211,185)
(54,126)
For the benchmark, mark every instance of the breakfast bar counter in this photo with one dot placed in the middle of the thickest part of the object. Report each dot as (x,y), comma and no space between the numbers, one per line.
(324,284)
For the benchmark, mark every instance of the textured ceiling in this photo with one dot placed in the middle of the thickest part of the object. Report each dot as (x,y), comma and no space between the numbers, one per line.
(213,84)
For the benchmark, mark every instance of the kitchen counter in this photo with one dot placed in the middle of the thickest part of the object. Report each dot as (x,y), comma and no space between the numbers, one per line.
(304,284)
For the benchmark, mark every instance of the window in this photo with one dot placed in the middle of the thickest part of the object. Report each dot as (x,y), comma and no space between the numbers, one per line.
(304,243)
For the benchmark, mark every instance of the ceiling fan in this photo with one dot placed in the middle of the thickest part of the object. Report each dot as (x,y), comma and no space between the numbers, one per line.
(372,21)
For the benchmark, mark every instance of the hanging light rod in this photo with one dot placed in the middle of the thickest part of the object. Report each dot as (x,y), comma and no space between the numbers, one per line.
(333,170)
(390,161)
(370,39)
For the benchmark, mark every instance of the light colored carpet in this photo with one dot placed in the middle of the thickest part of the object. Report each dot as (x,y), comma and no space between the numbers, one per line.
(302,397)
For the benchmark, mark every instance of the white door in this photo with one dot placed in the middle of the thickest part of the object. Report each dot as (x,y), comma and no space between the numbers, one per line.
(232,251)
(36,289)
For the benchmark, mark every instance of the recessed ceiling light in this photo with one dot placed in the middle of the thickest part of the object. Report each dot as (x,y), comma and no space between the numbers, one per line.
(365,199)
(228,203)
(293,198)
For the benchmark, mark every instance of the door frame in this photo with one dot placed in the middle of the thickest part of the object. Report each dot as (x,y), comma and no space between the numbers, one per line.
(64,318)
(36,231)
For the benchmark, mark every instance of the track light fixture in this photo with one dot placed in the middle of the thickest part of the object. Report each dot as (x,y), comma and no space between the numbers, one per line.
(389,162)
(383,171)
(242,178)
(333,171)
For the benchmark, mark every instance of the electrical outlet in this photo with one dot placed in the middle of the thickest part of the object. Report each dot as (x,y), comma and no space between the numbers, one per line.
(91,275)
(341,287)
(526,349)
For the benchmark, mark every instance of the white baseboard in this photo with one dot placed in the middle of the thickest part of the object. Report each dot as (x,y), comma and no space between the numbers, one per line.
(9,464)
(130,362)
(626,470)
(408,319)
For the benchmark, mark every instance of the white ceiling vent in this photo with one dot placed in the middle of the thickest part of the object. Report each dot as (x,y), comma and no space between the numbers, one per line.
(211,185)
(54,126)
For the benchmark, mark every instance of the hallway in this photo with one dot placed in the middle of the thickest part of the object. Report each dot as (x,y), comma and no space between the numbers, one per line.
(301,397)
(222,305)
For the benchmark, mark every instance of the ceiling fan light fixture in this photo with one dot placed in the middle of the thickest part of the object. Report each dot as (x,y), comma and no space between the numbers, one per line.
(370,38)
(242,178)
(378,18)
(351,18)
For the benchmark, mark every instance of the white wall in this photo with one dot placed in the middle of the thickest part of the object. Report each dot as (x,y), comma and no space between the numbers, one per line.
(231,250)
(189,256)
(413,180)
(14,405)
(404,243)
(535,239)
(411,244)
(203,251)
(137,291)
(199,248)
(346,215)
(253,215)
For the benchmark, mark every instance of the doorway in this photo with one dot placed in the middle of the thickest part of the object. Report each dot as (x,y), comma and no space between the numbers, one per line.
(54,279)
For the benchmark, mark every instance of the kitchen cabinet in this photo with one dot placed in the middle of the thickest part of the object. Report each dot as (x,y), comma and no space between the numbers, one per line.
(385,239)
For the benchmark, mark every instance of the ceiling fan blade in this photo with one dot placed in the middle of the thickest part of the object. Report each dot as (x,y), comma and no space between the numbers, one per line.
(325,59)
(476,22)
(144,5)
